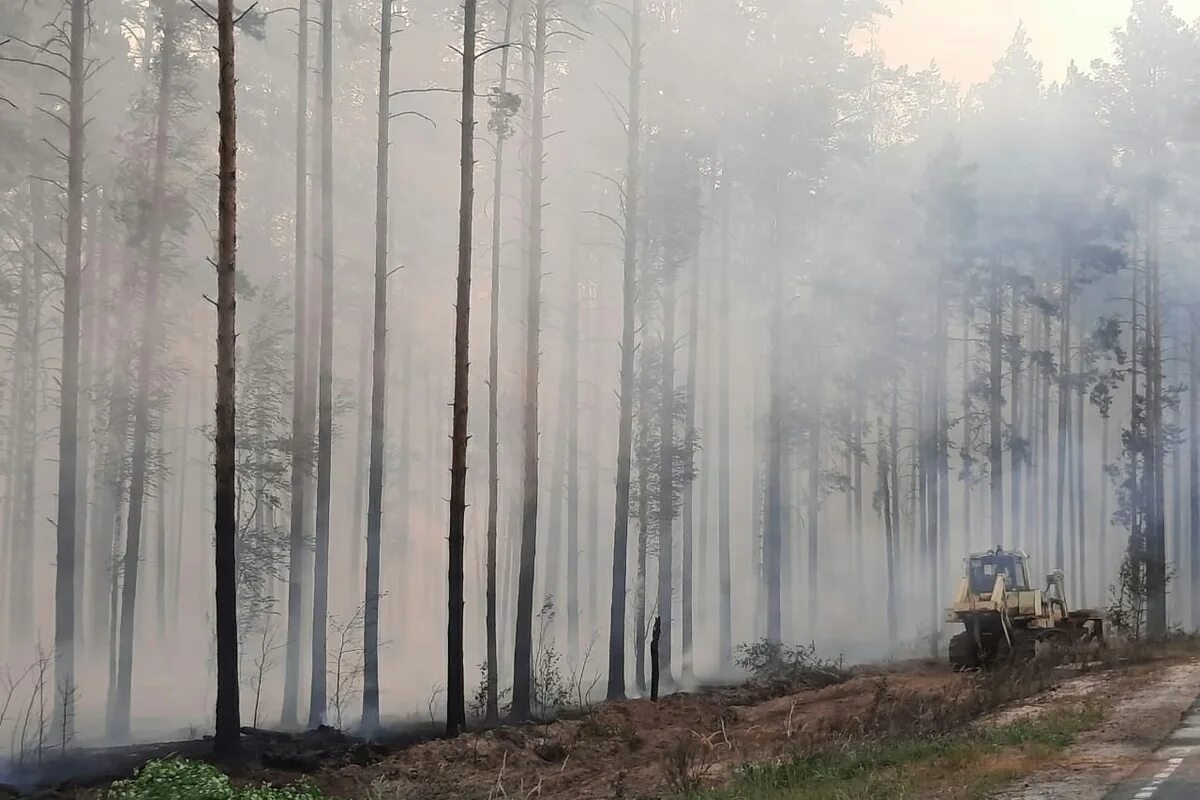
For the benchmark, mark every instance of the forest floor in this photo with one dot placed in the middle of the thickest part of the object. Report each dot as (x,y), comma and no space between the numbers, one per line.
(906,729)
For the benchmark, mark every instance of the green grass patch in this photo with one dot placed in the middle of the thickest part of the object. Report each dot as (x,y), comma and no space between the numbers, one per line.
(976,761)
(179,779)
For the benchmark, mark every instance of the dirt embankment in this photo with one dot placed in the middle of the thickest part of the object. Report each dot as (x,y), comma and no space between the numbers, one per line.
(641,749)
(637,748)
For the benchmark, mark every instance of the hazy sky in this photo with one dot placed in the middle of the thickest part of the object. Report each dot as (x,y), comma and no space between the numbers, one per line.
(966,36)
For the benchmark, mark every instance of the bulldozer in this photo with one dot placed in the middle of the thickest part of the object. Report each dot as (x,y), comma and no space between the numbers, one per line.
(1007,620)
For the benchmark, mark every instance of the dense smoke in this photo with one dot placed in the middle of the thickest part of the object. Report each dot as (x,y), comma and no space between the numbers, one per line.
(880,320)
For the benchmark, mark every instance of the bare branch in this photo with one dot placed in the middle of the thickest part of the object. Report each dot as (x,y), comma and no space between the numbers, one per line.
(413,114)
(206,13)
(424,90)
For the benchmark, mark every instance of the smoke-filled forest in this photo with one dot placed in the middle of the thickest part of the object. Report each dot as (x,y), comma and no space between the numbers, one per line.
(565,347)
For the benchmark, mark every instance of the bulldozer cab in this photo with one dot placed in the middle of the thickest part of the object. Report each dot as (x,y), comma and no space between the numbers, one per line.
(982,569)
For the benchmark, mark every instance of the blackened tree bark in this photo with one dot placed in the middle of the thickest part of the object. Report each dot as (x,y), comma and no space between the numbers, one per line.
(370,713)
(228,734)
(502,132)
(317,700)
(68,431)
(301,449)
(150,336)
(456,709)
(523,649)
(620,570)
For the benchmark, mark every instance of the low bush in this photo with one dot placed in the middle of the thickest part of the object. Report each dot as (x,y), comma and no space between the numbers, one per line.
(179,779)
(773,662)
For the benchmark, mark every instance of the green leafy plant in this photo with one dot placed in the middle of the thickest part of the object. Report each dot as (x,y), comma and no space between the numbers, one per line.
(180,779)
(773,662)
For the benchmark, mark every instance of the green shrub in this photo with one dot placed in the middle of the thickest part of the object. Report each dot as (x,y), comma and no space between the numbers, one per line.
(773,662)
(179,779)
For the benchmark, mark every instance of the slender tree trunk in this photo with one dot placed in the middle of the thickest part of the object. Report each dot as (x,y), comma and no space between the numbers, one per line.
(724,581)
(1080,460)
(703,548)
(572,476)
(1102,533)
(317,702)
(493,510)
(90,271)
(1045,448)
(523,650)
(370,712)
(180,508)
(1016,357)
(968,531)
(894,474)
(228,734)
(643,543)
(456,712)
(1064,413)
(885,496)
(1193,439)
(995,401)
(552,532)
(859,455)
(361,442)
(68,435)
(593,502)
(301,444)
(814,494)
(940,512)
(666,473)
(688,510)
(160,559)
(149,344)
(1156,623)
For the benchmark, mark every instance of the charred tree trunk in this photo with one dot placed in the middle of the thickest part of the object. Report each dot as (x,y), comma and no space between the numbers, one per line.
(523,650)
(301,445)
(317,701)
(370,712)
(228,733)
(456,711)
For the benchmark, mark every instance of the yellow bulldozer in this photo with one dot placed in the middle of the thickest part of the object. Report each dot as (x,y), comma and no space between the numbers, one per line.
(1007,620)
